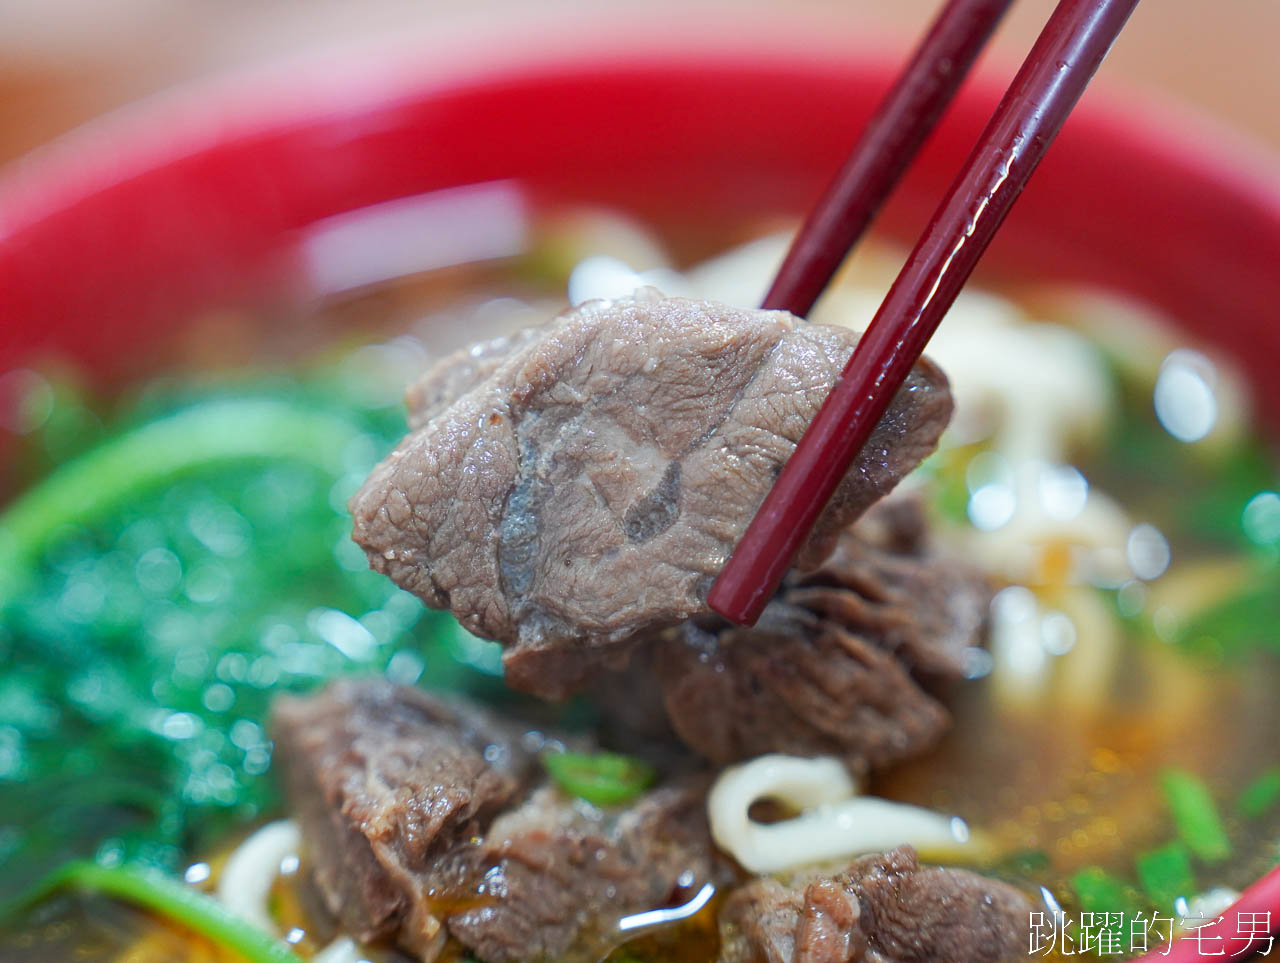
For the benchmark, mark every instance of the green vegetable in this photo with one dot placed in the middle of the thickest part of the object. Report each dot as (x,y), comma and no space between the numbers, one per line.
(165,895)
(1195,815)
(1194,497)
(601,778)
(1025,862)
(1101,892)
(946,471)
(158,588)
(1240,623)
(1198,496)
(1260,795)
(153,455)
(1166,874)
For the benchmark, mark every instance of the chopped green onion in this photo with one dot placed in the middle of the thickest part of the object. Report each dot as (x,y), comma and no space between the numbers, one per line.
(1166,874)
(84,490)
(1195,815)
(1025,862)
(1260,795)
(1100,892)
(1236,625)
(153,890)
(601,778)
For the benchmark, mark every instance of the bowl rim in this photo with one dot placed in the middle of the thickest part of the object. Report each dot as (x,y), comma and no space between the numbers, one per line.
(199,113)
(49,197)
(42,192)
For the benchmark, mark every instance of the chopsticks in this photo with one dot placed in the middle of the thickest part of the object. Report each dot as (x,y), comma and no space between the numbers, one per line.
(1029,116)
(892,138)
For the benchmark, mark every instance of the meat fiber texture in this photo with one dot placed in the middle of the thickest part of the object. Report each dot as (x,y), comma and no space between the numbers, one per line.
(884,908)
(569,486)
(848,660)
(385,781)
(425,817)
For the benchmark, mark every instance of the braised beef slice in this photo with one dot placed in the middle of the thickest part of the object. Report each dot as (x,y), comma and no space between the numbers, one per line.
(385,779)
(847,660)
(885,908)
(421,821)
(565,877)
(457,373)
(586,479)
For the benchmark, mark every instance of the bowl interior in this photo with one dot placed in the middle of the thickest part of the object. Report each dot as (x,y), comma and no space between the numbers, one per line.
(124,232)
(127,229)
(147,219)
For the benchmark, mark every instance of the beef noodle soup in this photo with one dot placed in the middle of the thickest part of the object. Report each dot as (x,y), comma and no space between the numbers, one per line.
(1021,705)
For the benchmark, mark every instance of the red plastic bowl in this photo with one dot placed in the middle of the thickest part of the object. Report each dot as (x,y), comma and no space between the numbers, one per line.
(137,223)
(117,234)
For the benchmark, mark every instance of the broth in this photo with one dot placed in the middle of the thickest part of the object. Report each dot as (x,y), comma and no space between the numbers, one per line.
(1064,773)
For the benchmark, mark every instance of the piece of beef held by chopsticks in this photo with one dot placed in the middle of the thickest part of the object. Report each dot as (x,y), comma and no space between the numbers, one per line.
(571,486)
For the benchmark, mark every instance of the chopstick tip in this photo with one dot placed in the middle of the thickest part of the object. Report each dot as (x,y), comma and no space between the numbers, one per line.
(739,600)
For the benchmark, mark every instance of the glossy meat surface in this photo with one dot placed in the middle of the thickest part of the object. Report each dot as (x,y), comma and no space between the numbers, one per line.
(570,486)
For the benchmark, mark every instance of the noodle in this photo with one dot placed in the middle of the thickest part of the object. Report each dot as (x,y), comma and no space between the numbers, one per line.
(245,884)
(341,950)
(834,822)
(253,867)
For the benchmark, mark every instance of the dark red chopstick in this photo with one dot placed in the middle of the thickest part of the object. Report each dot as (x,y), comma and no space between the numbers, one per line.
(884,150)
(1029,116)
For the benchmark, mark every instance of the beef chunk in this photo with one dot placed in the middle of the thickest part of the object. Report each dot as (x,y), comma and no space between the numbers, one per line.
(845,661)
(572,485)
(885,908)
(422,820)
(384,780)
(457,373)
(566,876)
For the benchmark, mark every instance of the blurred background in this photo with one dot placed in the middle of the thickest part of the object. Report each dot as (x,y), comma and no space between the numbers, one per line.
(65,61)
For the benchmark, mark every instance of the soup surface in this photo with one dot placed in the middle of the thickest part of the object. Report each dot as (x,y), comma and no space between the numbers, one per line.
(176,555)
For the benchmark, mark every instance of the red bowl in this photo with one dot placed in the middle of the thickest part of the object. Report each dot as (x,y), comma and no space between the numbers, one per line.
(116,234)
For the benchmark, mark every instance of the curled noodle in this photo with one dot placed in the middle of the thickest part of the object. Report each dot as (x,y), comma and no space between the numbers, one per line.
(834,822)
(244,886)
(252,868)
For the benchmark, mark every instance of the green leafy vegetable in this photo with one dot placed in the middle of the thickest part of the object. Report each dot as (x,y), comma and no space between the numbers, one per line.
(157,588)
(157,453)
(1100,892)
(946,470)
(153,890)
(601,778)
(1166,874)
(1195,815)
(1193,498)
(1199,497)
(1260,795)
(1025,862)
(1241,623)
